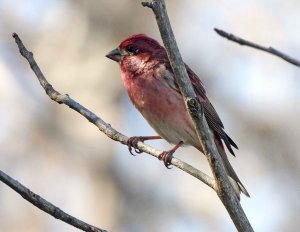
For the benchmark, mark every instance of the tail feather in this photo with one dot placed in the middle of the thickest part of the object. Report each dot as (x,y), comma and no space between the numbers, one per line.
(234,179)
(231,142)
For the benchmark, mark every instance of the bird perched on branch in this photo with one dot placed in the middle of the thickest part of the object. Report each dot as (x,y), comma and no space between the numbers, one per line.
(152,88)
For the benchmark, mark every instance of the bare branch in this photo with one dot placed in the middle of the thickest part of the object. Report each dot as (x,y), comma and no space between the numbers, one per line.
(270,50)
(45,205)
(102,125)
(224,188)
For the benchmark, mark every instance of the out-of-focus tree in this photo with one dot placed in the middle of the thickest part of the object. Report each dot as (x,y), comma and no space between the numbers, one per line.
(57,154)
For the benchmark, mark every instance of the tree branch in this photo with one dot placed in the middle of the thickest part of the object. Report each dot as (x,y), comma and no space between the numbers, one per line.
(270,50)
(102,125)
(45,205)
(224,188)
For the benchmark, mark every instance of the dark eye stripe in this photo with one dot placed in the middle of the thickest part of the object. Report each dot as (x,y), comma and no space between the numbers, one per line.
(132,49)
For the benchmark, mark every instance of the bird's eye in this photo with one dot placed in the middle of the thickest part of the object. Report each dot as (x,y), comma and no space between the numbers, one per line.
(132,49)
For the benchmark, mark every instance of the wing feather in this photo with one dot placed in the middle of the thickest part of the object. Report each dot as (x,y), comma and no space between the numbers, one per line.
(213,120)
(212,117)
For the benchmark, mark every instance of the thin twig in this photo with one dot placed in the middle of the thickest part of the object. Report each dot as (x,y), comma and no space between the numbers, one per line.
(224,190)
(45,205)
(270,50)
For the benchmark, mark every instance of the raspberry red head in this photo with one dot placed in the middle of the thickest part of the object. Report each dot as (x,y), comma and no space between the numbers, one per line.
(135,45)
(141,42)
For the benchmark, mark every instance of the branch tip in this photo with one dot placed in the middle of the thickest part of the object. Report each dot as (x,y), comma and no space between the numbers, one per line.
(218,31)
(147,4)
(17,39)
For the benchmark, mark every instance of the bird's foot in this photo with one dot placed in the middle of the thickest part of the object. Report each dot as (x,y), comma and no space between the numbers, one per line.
(132,143)
(166,157)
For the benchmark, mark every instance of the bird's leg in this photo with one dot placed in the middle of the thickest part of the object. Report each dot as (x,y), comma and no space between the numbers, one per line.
(132,142)
(166,156)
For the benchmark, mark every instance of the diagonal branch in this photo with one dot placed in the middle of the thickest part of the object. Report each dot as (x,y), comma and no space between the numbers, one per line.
(45,205)
(224,188)
(270,50)
(104,127)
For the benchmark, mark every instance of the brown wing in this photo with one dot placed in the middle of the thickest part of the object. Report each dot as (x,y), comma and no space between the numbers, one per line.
(213,119)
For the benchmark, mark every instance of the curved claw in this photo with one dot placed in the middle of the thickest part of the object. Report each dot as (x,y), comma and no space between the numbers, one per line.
(130,150)
(166,157)
(138,150)
(132,143)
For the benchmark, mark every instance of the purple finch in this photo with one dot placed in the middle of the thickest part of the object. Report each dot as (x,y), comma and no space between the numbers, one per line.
(152,88)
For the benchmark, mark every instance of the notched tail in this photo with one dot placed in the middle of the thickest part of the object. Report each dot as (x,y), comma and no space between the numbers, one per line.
(229,142)
(238,188)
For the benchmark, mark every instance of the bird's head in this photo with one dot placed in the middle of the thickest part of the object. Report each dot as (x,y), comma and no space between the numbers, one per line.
(136,50)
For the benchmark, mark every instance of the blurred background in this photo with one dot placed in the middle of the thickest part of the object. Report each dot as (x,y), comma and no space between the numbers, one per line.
(61,156)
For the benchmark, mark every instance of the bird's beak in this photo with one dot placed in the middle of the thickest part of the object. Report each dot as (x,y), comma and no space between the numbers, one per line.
(114,55)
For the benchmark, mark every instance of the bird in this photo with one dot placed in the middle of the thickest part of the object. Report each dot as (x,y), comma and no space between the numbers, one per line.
(152,88)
